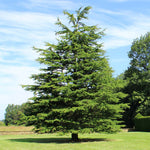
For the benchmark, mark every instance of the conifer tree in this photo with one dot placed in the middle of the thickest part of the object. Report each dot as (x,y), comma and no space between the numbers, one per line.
(75,92)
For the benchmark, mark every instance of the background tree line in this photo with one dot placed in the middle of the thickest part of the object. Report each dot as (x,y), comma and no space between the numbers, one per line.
(76,91)
(137,77)
(17,114)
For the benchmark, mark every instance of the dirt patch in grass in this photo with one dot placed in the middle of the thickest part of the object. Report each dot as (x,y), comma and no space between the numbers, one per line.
(15,130)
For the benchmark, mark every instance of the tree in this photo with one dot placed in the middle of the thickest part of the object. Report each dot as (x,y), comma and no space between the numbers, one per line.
(11,115)
(144,109)
(16,114)
(138,78)
(75,92)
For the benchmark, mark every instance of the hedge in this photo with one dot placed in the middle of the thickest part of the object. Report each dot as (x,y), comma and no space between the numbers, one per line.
(142,123)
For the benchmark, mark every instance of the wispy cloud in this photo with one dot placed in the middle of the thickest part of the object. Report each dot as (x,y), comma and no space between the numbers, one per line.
(25,29)
(11,79)
(21,30)
(48,4)
(122,27)
(26,19)
(109,12)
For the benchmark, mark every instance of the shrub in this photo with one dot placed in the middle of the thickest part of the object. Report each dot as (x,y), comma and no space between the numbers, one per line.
(142,123)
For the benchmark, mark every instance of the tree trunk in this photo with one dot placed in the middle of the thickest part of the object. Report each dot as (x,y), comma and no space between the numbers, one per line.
(75,137)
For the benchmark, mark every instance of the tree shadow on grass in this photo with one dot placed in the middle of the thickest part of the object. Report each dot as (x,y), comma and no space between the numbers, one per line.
(58,140)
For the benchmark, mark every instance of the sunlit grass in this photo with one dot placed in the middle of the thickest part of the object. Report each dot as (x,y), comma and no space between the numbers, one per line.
(119,141)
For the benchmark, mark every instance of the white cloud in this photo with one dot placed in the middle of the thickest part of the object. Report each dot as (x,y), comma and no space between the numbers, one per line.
(49,4)
(21,30)
(110,12)
(26,20)
(16,74)
(118,33)
(25,30)
(11,79)
(26,27)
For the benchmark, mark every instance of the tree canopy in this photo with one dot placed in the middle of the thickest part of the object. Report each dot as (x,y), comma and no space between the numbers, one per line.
(75,91)
(16,114)
(138,77)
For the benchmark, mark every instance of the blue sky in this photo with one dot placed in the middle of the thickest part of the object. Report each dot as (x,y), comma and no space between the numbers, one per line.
(28,23)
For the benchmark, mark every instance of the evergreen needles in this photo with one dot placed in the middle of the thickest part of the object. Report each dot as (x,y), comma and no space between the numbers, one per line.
(75,92)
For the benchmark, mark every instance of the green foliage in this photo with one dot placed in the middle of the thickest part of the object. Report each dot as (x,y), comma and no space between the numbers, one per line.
(2,123)
(144,109)
(16,114)
(75,92)
(137,76)
(11,115)
(142,123)
(138,116)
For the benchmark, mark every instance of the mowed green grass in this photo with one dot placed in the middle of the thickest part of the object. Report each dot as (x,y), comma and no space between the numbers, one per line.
(119,141)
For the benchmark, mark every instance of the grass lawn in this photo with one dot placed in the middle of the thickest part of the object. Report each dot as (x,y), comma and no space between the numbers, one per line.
(119,141)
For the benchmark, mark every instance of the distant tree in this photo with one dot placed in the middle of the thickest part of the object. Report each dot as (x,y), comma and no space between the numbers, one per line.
(11,115)
(75,92)
(138,78)
(16,114)
(2,123)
